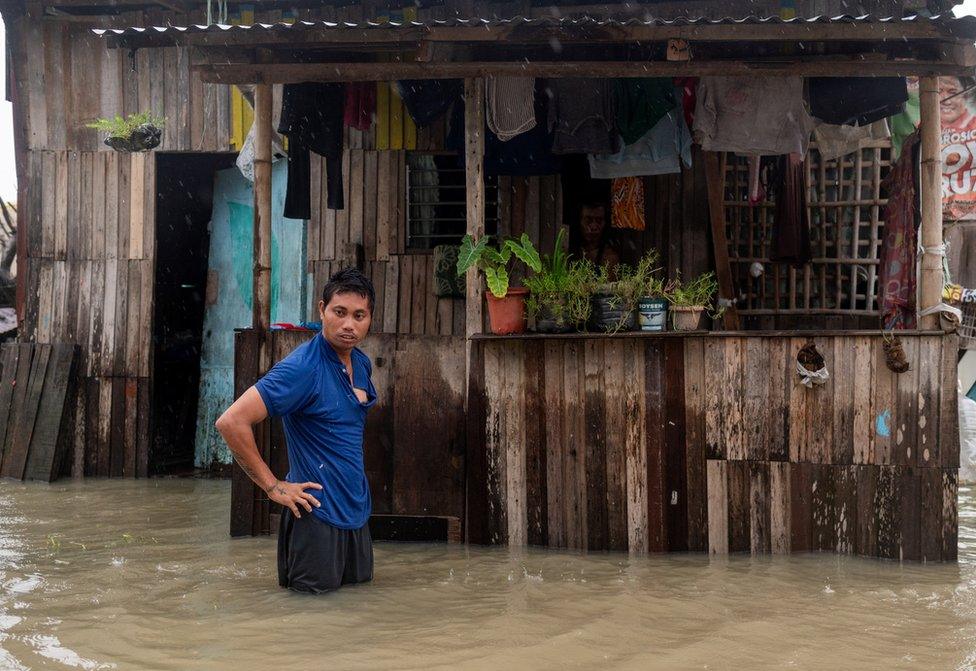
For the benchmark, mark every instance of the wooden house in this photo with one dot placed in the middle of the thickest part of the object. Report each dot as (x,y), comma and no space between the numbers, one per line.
(638,442)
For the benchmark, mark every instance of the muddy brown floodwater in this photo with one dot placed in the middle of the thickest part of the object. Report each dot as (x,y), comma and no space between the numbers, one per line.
(142,575)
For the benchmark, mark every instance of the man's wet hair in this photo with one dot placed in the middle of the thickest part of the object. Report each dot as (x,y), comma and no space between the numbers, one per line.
(349,281)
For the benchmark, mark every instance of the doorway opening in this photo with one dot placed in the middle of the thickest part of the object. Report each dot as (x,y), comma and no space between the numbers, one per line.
(184,201)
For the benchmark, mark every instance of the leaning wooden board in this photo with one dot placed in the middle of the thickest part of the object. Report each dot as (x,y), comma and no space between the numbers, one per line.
(37,405)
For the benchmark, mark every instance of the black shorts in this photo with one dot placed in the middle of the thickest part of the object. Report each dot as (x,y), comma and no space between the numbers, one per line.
(316,557)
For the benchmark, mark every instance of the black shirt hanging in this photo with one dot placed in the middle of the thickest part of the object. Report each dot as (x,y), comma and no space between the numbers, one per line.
(856,100)
(311,119)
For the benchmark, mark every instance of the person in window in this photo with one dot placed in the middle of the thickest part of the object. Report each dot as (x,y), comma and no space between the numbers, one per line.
(594,236)
(322,392)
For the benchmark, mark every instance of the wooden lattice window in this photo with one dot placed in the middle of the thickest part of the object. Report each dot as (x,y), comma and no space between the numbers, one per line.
(846,206)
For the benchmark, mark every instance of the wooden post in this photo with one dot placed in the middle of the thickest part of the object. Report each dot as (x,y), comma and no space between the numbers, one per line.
(474,153)
(261,316)
(930,277)
(475,519)
(715,178)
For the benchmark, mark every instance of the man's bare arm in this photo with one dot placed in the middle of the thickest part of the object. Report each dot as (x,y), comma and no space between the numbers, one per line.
(236,426)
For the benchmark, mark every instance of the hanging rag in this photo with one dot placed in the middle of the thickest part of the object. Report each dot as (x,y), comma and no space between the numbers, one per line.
(757,192)
(688,91)
(427,100)
(791,225)
(627,203)
(582,116)
(902,216)
(510,103)
(641,103)
(360,105)
(311,119)
(752,115)
(661,151)
(835,141)
(245,158)
(858,101)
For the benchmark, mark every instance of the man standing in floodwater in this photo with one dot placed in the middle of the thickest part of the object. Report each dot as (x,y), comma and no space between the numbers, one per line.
(322,392)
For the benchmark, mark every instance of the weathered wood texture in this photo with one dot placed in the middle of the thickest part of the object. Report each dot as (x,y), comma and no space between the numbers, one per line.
(38,383)
(601,444)
(415,434)
(72,78)
(89,261)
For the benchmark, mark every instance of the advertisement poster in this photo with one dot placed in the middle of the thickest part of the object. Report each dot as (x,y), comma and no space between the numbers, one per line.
(958,148)
(957,106)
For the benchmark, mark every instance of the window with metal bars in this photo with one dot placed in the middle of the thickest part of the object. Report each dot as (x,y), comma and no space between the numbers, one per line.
(436,200)
(845,203)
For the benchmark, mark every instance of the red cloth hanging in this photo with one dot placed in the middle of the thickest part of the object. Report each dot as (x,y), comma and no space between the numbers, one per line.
(898,246)
(359,105)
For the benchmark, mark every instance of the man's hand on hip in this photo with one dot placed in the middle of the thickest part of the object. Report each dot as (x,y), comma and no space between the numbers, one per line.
(293,494)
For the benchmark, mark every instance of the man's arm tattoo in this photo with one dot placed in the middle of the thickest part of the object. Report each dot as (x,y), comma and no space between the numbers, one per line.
(247,469)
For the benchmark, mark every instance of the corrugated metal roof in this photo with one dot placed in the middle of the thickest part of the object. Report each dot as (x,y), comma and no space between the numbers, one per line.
(962,27)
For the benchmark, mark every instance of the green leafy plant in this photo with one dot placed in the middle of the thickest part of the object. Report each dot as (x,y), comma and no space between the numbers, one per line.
(696,293)
(493,261)
(124,127)
(560,290)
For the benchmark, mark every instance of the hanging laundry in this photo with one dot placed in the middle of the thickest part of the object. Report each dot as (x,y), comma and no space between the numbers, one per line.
(836,141)
(527,154)
(660,151)
(311,118)
(688,90)
(791,225)
(582,116)
(510,103)
(901,216)
(627,203)
(856,100)
(245,157)
(752,115)
(641,103)
(904,124)
(427,100)
(360,105)
(757,190)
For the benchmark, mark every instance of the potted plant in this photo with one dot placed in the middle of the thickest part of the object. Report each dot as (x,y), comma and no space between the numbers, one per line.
(559,299)
(136,132)
(615,301)
(652,305)
(689,300)
(506,305)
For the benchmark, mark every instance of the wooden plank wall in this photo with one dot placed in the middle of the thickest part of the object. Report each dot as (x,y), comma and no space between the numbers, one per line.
(90,241)
(415,434)
(676,443)
(90,216)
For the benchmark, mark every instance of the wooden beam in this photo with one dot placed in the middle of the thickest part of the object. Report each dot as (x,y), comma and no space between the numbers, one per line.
(261,317)
(930,277)
(474,154)
(290,73)
(715,177)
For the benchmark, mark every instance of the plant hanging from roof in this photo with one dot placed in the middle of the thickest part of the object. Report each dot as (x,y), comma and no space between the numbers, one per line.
(136,132)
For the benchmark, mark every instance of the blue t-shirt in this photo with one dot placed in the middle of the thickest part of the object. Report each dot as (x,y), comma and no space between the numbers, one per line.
(324,423)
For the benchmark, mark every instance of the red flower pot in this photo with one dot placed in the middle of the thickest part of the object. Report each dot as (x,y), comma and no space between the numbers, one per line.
(507,315)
